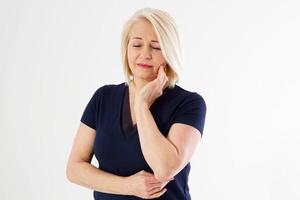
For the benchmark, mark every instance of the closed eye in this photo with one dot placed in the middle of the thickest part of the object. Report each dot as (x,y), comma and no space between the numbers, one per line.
(157,48)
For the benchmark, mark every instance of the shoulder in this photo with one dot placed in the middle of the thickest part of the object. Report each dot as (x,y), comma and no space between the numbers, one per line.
(109,89)
(187,96)
(190,108)
(106,93)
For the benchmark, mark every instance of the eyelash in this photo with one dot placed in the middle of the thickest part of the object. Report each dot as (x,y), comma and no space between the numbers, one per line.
(140,46)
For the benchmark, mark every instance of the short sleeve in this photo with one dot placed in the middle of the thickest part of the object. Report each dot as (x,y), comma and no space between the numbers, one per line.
(90,113)
(192,111)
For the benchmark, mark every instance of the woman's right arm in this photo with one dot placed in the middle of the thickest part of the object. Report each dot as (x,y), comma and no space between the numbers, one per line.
(79,169)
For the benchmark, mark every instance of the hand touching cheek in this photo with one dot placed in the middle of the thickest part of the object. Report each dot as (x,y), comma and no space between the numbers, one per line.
(153,89)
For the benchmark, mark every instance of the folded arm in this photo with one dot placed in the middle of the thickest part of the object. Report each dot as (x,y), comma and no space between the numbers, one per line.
(166,156)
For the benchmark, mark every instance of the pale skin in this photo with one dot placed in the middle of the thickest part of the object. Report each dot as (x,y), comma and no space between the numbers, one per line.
(166,156)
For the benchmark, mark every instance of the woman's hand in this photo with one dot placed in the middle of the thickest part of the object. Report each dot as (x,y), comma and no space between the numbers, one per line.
(153,89)
(144,185)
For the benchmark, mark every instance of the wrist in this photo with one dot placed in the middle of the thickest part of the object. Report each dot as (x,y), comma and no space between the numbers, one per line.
(125,186)
(140,105)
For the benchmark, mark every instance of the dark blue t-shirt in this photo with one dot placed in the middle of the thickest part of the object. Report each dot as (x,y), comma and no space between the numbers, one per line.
(119,153)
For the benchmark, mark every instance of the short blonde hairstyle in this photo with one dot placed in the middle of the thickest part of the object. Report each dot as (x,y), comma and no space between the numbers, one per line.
(168,37)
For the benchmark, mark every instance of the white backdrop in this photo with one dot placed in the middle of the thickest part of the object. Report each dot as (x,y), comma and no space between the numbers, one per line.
(241,56)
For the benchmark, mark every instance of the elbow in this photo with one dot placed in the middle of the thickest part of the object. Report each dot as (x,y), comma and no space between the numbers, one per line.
(69,173)
(166,174)
(162,178)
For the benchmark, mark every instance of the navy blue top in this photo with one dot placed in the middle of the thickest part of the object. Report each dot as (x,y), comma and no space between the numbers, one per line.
(119,153)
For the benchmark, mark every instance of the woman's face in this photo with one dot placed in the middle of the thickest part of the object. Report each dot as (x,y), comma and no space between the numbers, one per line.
(143,52)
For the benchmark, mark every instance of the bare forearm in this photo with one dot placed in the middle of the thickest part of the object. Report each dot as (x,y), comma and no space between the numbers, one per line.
(87,175)
(159,152)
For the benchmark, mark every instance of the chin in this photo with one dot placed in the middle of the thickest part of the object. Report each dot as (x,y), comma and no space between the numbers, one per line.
(148,77)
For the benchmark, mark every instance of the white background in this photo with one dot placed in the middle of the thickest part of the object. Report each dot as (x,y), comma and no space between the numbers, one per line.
(241,56)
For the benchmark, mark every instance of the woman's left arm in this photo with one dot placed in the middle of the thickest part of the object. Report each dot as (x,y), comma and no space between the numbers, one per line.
(166,156)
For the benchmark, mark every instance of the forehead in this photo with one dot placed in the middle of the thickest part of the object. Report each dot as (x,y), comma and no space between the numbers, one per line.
(142,29)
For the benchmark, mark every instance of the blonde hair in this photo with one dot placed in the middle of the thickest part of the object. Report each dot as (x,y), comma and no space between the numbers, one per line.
(168,37)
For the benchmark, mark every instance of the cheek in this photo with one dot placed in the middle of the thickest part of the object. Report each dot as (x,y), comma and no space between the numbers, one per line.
(159,58)
(159,61)
(131,56)
(130,60)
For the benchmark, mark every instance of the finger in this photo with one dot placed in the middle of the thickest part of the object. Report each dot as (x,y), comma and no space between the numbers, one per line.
(161,70)
(164,82)
(155,189)
(159,80)
(153,180)
(162,79)
(158,194)
(161,183)
(158,75)
(157,184)
(164,69)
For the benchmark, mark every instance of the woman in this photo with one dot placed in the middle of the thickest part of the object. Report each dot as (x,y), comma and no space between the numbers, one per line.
(144,131)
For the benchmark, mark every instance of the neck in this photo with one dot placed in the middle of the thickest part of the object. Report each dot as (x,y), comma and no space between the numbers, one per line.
(136,85)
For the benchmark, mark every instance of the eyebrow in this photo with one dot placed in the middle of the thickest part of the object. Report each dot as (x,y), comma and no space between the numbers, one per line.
(139,38)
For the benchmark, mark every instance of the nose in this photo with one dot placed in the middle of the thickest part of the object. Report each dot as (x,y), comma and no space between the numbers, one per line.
(146,53)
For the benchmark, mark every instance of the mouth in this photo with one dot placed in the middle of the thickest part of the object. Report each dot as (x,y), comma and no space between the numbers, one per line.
(144,65)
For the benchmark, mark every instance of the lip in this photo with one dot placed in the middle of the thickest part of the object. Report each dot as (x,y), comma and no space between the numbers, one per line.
(144,65)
